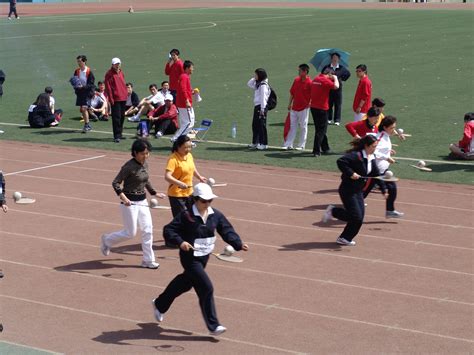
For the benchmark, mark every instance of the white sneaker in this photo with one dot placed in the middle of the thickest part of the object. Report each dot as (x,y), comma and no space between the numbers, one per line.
(343,241)
(150,265)
(158,315)
(159,134)
(394,214)
(261,147)
(218,331)
(103,247)
(252,146)
(337,123)
(133,119)
(299,148)
(327,214)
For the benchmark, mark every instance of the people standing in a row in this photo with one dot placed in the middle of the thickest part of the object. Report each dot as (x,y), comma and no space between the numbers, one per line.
(335,96)
(363,93)
(116,92)
(356,165)
(174,68)
(320,90)
(300,97)
(259,83)
(184,101)
(84,90)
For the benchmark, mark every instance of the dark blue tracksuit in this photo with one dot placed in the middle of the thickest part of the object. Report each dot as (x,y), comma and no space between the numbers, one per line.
(351,192)
(188,226)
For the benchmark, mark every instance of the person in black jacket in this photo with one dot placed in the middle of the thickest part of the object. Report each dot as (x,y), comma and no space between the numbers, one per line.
(335,96)
(356,165)
(39,113)
(2,80)
(193,231)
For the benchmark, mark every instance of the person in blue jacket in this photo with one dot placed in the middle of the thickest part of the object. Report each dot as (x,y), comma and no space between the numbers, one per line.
(193,230)
(356,165)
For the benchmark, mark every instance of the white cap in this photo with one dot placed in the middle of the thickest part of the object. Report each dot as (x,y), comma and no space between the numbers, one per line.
(116,61)
(204,191)
(169,97)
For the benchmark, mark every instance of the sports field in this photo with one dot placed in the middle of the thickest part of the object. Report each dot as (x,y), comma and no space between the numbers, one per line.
(418,62)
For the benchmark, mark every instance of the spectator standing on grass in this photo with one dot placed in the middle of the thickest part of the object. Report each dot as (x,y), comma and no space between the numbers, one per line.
(378,103)
(2,80)
(335,96)
(259,83)
(131,105)
(116,93)
(13,10)
(130,185)
(174,68)
(363,93)
(184,101)
(300,97)
(320,90)
(84,89)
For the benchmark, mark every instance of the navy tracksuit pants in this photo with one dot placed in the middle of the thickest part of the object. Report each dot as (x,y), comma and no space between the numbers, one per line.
(352,212)
(194,276)
(392,193)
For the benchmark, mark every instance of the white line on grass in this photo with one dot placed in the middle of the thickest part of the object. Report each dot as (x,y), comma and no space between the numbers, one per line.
(27,346)
(54,165)
(240,268)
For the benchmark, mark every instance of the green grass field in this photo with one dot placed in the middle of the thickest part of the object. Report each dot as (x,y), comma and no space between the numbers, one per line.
(420,62)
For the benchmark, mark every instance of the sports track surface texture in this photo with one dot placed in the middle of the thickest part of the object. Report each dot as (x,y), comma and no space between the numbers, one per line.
(406,287)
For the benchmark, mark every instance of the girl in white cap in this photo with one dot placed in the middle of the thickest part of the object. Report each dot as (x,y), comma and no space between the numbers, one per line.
(193,231)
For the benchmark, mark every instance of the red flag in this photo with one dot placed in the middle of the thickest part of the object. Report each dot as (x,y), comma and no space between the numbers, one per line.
(286,129)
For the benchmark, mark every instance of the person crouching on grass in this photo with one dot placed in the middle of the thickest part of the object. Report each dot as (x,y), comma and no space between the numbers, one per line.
(193,230)
(134,206)
(355,165)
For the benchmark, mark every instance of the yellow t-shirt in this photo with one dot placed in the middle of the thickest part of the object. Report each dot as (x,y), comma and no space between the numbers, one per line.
(181,169)
(381,116)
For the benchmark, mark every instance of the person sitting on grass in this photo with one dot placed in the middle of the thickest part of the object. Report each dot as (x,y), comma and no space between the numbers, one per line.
(164,118)
(132,101)
(149,103)
(99,108)
(465,147)
(39,113)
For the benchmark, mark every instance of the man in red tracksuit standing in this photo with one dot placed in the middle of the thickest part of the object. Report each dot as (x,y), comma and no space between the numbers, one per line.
(184,101)
(174,69)
(116,93)
(320,89)
(363,93)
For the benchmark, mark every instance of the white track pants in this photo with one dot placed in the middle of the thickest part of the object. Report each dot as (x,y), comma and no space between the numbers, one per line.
(298,119)
(134,217)
(186,121)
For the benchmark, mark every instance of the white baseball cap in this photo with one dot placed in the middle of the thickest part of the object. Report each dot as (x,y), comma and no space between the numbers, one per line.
(116,61)
(204,191)
(168,97)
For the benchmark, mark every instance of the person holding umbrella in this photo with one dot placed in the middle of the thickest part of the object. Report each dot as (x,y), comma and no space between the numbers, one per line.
(335,96)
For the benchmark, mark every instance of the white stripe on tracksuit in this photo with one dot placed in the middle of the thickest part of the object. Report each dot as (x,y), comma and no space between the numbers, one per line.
(186,121)
(135,216)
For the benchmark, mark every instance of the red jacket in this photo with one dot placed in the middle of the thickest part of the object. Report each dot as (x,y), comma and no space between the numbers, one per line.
(363,92)
(321,86)
(361,128)
(184,91)
(162,114)
(301,92)
(465,142)
(174,71)
(115,87)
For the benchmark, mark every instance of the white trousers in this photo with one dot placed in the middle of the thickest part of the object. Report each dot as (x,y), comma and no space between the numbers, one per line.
(186,121)
(298,119)
(135,216)
(359,116)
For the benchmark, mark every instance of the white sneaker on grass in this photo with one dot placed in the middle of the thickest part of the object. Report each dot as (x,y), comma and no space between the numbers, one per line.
(158,315)
(344,241)
(327,214)
(261,147)
(218,331)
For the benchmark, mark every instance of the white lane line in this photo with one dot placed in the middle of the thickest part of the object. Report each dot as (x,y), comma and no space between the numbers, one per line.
(137,321)
(29,347)
(402,220)
(288,276)
(54,165)
(257,304)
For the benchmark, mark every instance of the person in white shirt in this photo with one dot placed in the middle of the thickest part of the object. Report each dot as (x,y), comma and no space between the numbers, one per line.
(259,83)
(99,108)
(149,103)
(383,159)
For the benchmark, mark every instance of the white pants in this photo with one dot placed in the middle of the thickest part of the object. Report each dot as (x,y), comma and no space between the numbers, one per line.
(358,116)
(298,119)
(186,121)
(136,215)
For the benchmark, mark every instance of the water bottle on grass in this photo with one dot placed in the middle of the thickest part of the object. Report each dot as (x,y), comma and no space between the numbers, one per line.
(233,131)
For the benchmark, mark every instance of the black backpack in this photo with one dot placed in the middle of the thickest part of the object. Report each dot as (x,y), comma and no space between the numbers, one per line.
(272,99)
